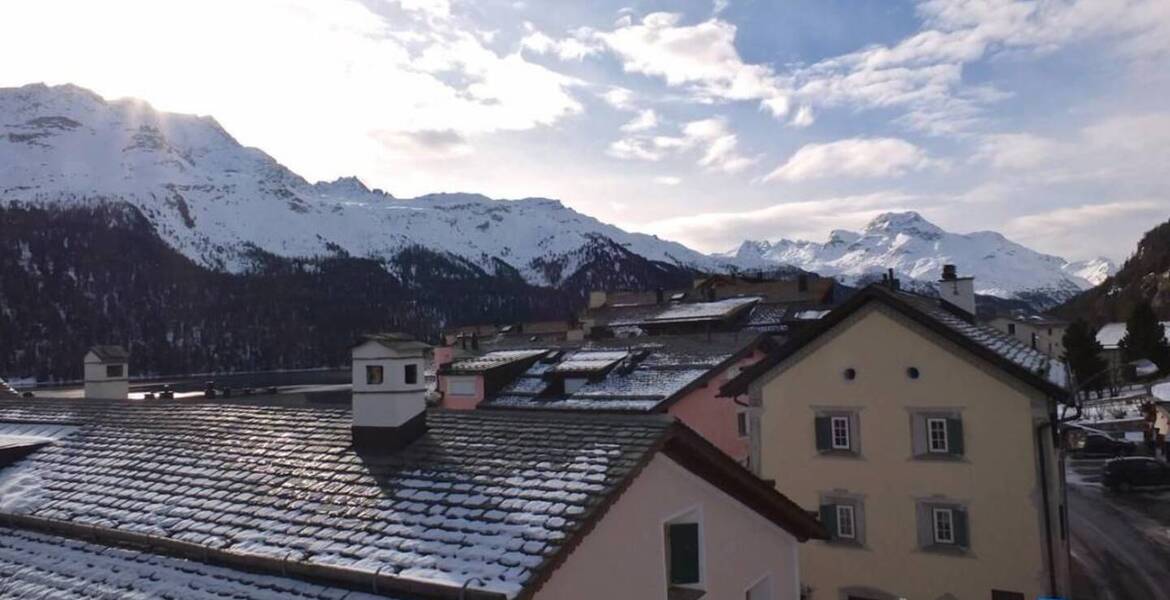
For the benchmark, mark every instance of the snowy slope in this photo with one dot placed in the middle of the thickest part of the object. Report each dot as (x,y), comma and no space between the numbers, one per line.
(917,250)
(213,199)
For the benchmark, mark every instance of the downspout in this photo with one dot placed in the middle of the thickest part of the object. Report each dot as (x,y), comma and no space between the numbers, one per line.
(1045,500)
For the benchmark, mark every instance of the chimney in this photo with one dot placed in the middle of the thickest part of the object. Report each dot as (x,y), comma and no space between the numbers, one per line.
(957,292)
(389,392)
(107,373)
(892,282)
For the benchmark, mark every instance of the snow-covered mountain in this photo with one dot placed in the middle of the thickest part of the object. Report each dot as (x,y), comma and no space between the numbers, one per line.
(917,250)
(215,200)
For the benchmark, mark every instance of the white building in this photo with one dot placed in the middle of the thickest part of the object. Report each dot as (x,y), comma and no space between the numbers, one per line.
(389,390)
(107,373)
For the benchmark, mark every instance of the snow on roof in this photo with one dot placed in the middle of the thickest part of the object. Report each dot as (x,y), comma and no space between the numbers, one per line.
(35,565)
(589,361)
(701,311)
(1161,391)
(482,494)
(494,359)
(1110,334)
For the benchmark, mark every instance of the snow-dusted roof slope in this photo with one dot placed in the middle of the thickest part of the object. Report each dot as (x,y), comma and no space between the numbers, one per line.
(700,311)
(482,494)
(35,565)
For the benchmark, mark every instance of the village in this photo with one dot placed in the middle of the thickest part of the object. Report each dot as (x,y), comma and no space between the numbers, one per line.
(746,437)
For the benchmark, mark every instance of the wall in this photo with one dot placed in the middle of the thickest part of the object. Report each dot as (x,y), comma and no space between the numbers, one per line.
(461,402)
(392,402)
(715,418)
(997,479)
(624,556)
(1051,344)
(99,386)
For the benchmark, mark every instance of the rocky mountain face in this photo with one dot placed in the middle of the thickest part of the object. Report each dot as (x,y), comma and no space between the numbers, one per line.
(917,250)
(1145,276)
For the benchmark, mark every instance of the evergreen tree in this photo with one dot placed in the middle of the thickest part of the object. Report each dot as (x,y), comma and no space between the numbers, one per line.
(1082,352)
(1145,337)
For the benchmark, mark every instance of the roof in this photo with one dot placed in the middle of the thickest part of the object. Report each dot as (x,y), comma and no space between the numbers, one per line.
(395,340)
(641,374)
(498,496)
(1111,334)
(701,311)
(36,565)
(492,360)
(6,390)
(1013,356)
(110,353)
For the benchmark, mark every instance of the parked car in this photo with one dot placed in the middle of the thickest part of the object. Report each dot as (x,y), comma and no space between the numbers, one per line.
(1135,472)
(1102,445)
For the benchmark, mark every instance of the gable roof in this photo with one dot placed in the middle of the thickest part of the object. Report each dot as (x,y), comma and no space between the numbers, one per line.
(651,373)
(1004,351)
(394,341)
(498,496)
(110,353)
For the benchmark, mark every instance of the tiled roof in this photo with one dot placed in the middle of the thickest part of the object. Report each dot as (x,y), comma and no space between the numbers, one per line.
(491,360)
(702,311)
(488,495)
(653,370)
(35,565)
(588,361)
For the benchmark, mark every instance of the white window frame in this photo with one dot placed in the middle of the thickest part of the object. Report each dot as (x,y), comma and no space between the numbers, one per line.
(693,514)
(946,441)
(848,435)
(949,514)
(846,509)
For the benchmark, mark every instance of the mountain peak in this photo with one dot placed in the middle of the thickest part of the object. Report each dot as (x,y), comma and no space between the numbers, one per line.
(908,222)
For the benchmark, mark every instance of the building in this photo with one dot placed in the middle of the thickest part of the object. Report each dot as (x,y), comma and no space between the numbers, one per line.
(197,499)
(1110,336)
(107,373)
(1045,334)
(678,375)
(926,444)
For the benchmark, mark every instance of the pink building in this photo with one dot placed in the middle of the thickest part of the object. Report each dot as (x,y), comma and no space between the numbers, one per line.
(679,375)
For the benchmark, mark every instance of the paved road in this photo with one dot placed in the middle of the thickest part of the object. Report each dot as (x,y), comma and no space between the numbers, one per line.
(1122,544)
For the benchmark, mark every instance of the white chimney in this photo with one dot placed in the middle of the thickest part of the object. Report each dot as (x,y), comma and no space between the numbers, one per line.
(107,373)
(957,292)
(389,391)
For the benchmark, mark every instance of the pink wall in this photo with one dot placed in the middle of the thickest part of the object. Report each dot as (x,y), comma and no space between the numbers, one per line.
(715,418)
(624,556)
(460,402)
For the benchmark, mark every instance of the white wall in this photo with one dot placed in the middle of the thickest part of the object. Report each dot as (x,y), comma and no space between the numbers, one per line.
(100,386)
(392,402)
(624,557)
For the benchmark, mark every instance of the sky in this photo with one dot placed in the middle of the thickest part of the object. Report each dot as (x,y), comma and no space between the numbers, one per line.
(708,122)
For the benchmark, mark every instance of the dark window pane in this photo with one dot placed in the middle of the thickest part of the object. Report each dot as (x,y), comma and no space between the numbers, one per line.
(113,370)
(374,374)
(684,553)
(411,374)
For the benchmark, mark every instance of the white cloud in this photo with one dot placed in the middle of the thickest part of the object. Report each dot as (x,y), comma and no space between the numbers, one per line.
(701,57)
(619,98)
(803,117)
(856,157)
(575,47)
(646,119)
(434,8)
(668,180)
(712,137)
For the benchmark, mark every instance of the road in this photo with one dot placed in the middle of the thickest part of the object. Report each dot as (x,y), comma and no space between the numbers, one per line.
(1120,544)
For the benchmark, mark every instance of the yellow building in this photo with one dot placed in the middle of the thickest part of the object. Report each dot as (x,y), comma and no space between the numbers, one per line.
(926,444)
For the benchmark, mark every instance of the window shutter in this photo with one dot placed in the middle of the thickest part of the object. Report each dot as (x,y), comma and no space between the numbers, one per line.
(824,433)
(918,435)
(960,527)
(925,525)
(829,519)
(684,553)
(855,433)
(955,436)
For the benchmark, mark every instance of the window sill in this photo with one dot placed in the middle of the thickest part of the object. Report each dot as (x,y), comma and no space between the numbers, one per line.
(839,454)
(947,550)
(675,592)
(850,544)
(958,458)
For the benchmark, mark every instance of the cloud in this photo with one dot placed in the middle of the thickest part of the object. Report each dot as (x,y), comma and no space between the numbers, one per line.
(803,117)
(619,98)
(722,231)
(646,119)
(444,143)
(856,157)
(701,58)
(667,180)
(575,47)
(718,146)
(1089,230)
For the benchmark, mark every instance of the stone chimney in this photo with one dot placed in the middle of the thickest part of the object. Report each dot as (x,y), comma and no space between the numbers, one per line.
(107,373)
(389,392)
(957,292)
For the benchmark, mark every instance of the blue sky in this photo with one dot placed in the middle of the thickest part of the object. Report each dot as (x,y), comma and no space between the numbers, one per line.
(709,122)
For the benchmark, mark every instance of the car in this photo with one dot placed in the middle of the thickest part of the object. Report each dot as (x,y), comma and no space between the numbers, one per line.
(1135,472)
(1102,445)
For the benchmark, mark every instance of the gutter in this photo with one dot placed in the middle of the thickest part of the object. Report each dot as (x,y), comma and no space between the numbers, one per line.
(335,576)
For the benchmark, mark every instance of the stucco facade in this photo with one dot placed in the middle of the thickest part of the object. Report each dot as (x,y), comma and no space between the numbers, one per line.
(996,481)
(716,418)
(1046,336)
(106,379)
(623,557)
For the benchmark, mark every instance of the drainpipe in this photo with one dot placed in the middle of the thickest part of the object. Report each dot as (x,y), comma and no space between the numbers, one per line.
(1044,497)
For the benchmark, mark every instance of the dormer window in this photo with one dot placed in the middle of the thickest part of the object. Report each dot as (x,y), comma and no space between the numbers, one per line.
(374,375)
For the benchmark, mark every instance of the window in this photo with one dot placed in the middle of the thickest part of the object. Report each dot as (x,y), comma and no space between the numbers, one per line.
(760,590)
(846,525)
(572,384)
(114,370)
(936,430)
(374,375)
(741,423)
(461,386)
(682,553)
(840,433)
(944,525)
(410,375)
(1012,328)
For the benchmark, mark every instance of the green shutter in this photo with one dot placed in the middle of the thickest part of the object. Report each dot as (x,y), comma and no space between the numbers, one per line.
(960,516)
(955,436)
(829,519)
(684,553)
(824,433)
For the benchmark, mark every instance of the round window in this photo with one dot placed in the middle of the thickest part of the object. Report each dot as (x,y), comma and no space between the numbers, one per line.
(850,374)
(912,372)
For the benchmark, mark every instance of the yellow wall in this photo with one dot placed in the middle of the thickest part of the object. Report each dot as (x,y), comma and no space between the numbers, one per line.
(997,479)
